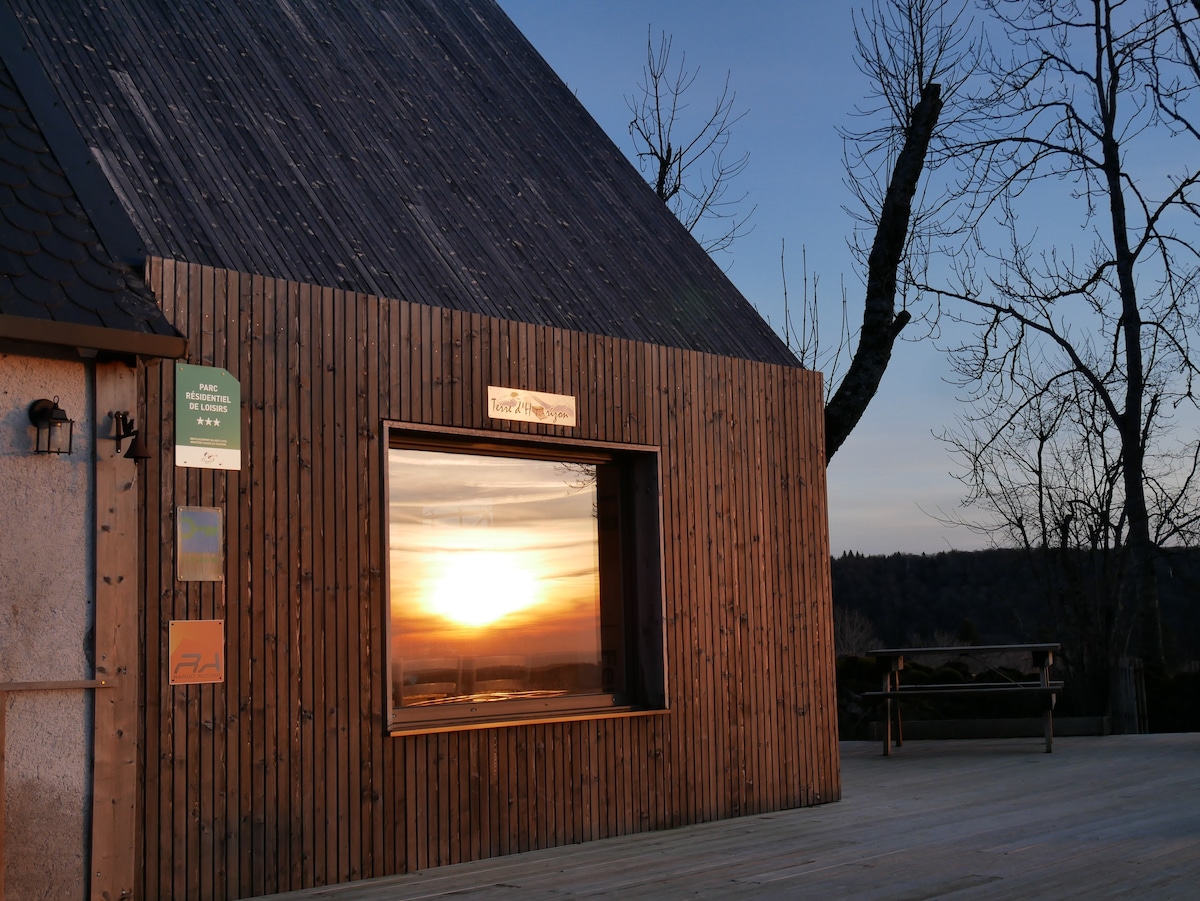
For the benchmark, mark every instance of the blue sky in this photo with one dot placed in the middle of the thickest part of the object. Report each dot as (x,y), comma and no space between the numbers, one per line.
(792,68)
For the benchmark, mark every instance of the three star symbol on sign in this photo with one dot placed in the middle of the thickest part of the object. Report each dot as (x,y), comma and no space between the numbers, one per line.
(202,421)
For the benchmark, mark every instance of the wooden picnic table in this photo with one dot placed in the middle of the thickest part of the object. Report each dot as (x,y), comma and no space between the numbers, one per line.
(1042,656)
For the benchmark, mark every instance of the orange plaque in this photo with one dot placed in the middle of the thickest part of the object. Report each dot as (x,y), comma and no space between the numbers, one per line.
(196,651)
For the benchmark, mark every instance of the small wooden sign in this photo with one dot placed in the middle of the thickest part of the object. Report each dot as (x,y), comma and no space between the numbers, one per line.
(531,406)
(196,651)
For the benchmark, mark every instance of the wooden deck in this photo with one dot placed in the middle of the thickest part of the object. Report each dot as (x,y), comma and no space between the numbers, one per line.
(1112,817)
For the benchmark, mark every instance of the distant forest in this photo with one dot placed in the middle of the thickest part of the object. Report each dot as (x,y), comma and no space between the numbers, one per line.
(991,596)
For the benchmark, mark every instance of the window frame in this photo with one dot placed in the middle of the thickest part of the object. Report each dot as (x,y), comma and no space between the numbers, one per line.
(642,587)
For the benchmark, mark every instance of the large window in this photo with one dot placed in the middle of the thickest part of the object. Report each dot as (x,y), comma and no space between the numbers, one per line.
(523,581)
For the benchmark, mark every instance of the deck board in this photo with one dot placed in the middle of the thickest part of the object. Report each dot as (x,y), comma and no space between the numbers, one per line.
(1117,816)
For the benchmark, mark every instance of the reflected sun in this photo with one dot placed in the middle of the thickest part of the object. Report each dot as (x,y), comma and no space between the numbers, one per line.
(477,589)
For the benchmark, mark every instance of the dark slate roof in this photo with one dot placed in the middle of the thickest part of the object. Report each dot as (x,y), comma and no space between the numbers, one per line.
(416,149)
(57,283)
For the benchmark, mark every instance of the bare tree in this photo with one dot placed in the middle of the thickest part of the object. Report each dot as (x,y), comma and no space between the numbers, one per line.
(1073,121)
(916,55)
(853,633)
(690,173)
(1048,477)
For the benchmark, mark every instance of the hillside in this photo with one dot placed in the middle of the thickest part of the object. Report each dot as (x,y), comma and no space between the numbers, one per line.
(993,596)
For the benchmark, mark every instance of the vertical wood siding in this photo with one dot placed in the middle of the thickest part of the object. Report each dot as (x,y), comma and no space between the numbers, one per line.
(285,776)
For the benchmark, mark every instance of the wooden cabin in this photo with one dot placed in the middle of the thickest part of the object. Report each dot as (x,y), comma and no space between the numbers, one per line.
(516,535)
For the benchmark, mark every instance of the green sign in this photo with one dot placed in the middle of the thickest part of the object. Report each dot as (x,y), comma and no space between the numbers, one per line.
(208,418)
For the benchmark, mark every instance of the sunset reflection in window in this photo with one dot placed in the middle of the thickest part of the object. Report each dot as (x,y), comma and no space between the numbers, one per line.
(495,577)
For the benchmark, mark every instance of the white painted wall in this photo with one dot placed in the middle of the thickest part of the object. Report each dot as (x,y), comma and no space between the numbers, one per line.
(46,616)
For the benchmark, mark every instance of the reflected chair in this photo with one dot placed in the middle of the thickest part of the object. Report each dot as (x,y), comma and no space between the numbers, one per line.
(429,680)
(501,673)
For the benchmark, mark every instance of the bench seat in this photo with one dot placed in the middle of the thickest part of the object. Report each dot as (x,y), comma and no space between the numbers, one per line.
(968,688)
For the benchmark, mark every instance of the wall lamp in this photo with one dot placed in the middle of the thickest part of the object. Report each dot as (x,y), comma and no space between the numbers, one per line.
(54,427)
(123,428)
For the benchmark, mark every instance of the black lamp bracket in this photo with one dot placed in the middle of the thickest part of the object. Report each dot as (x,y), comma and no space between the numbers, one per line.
(122,427)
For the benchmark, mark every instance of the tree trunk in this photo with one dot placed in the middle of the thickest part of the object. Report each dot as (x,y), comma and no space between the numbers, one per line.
(881,323)
(1142,582)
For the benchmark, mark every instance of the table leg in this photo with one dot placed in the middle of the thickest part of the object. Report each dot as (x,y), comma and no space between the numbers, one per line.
(1044,662)
(887,716)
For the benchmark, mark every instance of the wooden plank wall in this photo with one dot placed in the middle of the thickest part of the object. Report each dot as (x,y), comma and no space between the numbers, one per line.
(284,776)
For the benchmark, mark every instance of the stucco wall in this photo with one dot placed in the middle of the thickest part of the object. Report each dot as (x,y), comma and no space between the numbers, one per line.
(45,629)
